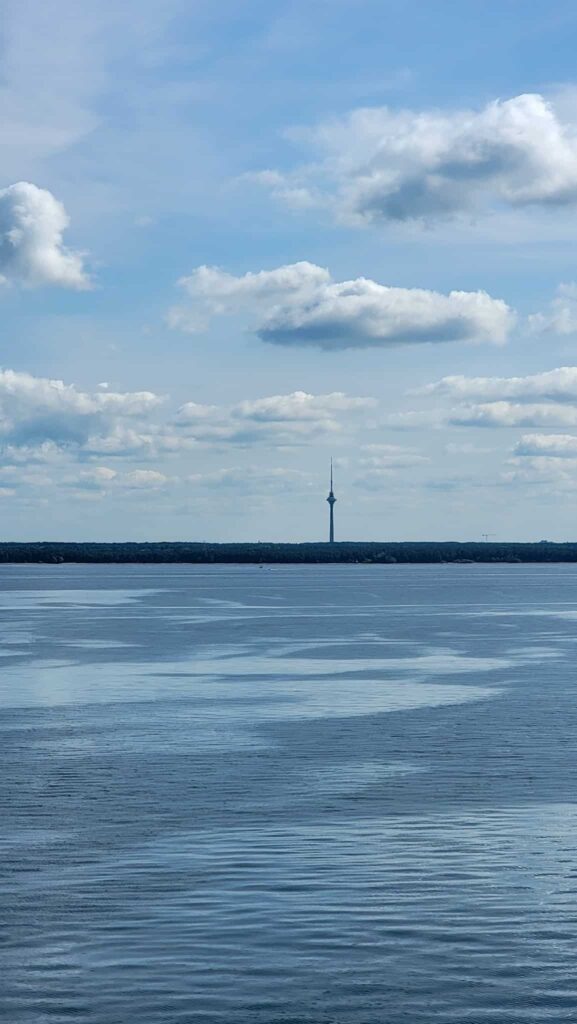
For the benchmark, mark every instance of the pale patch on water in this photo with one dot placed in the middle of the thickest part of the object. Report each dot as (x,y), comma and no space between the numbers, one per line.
(295,687)
(205,828)
(97,645)
(38,837)
(28,600)
(568,614)
(228,661)
(340,779)
(178,731)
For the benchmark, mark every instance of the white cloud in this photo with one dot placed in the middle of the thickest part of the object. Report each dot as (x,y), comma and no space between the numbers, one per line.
(547,399)
(301,305)
(299,197)
(37,410)
(378,464)
(144,478)
(512,414)
(98,479)
(43,421)
(122,441)
(103,480)
(379,165)
(557,473)
(415,419)
(563,446)
(562,316)
(214,292)
(276,420)
(544,460)
(193,412)
(377,457)
(299,406)
(466,448)
(559,385)
(32,223)
(45,453)
(252,479)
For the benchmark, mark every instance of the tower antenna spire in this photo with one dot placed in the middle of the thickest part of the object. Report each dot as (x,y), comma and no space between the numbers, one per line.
(331,500)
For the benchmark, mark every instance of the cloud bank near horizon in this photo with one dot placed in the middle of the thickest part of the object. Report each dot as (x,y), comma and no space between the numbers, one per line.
(547,399)
(40,417)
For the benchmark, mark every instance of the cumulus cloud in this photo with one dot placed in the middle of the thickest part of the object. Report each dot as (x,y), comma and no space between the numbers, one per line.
(560,446)
(59,440)
(414,419)
(32,253)
(147,478)
(466,448)
(214,292)
(146,442)
(40,418)
(35,411)
(387,457)
(92,443)
(378,464)
(103,479)
(513,414)
(252,479)
(193,412)
(485,414)
(81,481)
(277,420)
(562,316)
(300,304)
(547,399)
(98,479)
(297,196)
(559,385)
(557,473)
(379,165)
(299,406)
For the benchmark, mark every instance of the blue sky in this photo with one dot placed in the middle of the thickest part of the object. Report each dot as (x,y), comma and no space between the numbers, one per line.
(239,239)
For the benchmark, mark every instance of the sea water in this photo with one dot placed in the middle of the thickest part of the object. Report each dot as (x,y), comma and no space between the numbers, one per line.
(297,794)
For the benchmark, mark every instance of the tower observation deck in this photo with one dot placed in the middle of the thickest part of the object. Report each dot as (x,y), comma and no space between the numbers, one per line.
(331,500)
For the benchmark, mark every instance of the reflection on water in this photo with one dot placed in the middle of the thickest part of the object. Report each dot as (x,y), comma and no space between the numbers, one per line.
(313,795)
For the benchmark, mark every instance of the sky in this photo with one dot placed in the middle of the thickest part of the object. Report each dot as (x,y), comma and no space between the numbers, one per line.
(237,240)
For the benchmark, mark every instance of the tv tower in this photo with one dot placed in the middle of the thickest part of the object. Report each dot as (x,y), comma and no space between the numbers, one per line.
(331,500)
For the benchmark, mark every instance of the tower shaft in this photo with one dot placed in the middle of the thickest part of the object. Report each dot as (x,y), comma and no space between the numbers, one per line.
(331,500)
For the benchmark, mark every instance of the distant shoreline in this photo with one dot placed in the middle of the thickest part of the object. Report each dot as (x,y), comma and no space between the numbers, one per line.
(350,552)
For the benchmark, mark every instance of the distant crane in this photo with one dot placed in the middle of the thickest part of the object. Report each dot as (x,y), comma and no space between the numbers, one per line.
(486,536)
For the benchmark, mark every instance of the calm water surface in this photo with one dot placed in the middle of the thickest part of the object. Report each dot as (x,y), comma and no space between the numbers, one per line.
(313,795)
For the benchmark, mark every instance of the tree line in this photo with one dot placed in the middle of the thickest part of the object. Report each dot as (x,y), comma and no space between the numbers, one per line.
(53,552)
